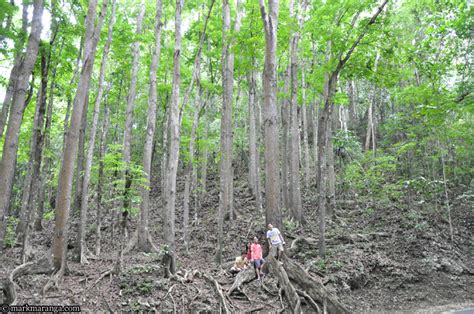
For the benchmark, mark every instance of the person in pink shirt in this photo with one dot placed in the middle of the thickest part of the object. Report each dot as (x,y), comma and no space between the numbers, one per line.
(256,256)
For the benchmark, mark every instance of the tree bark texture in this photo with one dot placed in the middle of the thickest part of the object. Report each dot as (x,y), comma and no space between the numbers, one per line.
(285,121)
(127,137)
(226,173)
(34,164)
(272,153)
(254,175)
(63,199)
(143,231)
(296,209)
(174,141)
(81,239)
(10,146)
(305,126)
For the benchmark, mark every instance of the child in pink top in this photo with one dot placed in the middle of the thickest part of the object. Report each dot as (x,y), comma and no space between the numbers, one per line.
(256,256)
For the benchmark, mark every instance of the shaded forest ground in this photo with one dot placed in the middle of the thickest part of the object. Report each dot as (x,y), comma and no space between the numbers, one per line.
(380,258)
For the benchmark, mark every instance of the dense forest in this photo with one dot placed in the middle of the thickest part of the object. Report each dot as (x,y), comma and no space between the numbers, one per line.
(145,143)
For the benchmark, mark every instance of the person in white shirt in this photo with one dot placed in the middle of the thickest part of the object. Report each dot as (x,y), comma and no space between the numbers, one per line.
(275,240)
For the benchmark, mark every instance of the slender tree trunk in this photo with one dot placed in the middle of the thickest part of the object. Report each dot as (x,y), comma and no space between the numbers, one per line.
(448,208)
(14,73)
(226,177)
(305,127)
(34,163)
(324,132)
(81,239)
(174,128)
(295,189)
(272,173)
(69,96)
(36,152)
(315,138)
(10,146)
(254,176)
(285,121)
(205,153)
(165,145)
(100,183)
(144,242)
(63,199)
(370,119)
(127,137)
(352,116)
(323,151)
(189,168)
(80,160)
(44,177)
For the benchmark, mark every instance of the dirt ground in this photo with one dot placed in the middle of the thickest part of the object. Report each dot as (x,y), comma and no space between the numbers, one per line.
(382,260)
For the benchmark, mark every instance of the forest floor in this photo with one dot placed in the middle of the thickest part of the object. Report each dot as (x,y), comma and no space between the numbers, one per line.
(380,259)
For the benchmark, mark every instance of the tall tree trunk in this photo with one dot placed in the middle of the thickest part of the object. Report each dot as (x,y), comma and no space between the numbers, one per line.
(370,114)
(305,127)
(127,136)
(205,153)
(81,238)
(226,177)
(80,160)
(352,116)
(45,171)
(100,183)
(14,73)
(144,241)
(254,176)
(45,174)
(165,146)
(72,82)
(296,209)
(10,145)
(315,119)
(324,131)
(189,167)
(29,197)
(173,154)
(285,121)
(272,173)
(63,199)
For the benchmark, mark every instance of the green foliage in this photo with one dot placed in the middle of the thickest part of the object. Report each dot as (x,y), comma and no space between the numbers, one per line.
(346,145)
(115,169)
(321,264)
(369,176)
(290,225)
(10,235)
(49,215)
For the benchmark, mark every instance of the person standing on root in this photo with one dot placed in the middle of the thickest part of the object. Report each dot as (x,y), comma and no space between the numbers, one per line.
(275,240)
(256,257)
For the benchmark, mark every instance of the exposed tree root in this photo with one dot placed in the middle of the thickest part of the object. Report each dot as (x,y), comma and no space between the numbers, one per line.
(301,243)
(298,244)
(312,287)
(134,242)
(245,276)
(106,273)
(309,300)
(42,266)
(285,284)
(217,287)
